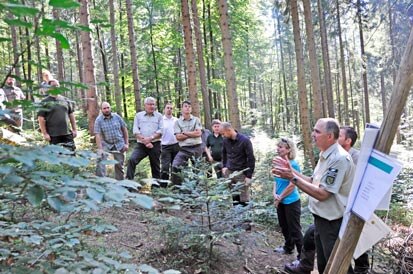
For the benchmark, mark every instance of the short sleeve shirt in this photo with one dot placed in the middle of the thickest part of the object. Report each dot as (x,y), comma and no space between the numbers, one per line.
(14,93)
(168,136)
(282,184)
(354,153)
(190,124)
(110,129)
(148,124)
(215,143)
(334,172)
(55,111)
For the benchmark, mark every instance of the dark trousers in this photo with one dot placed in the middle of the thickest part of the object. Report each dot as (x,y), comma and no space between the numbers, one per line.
(289,220)
(361,264)
(167,156)
(309,242)
(326,234)
(139,153)
(66,141)
(181,160)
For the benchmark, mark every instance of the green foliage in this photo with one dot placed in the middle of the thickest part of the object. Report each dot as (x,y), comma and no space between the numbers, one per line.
(66,4)
(212,214)
(401,205)
(42,211)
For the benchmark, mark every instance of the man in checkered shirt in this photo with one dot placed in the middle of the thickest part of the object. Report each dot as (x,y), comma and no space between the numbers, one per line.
(111,137)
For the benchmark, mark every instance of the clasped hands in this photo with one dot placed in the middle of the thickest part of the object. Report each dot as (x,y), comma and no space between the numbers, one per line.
(147,141)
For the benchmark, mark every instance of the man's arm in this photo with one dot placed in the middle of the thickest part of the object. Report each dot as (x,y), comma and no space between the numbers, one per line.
(314,191)
(125,138)
(73,123)
(98,140)
(42,125)
(192,134)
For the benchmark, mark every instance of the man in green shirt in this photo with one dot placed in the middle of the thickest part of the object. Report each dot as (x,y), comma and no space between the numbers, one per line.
(57,120)
(214,147)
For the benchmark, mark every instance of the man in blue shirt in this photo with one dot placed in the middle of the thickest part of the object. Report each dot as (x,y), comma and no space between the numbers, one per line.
(111,137)
(237,155)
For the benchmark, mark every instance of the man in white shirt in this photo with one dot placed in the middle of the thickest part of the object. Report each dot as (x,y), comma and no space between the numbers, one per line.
(170,146)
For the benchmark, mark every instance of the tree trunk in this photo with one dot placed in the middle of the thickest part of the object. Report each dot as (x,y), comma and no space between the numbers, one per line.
(16,53)
(216,105)
(59,51)
(252,98)
(304,119)
(118,96)
(201,64)
(155,67)
(178,80)
(81,73)
(29,82)
(284,81)
(345,113)
(190,57)
(92,106)
(364,64)
(134,56)
(326,61)
(392,45)
(108,94)
(315,76)
(383,93)
(229,64)
(205,11)
(38,54)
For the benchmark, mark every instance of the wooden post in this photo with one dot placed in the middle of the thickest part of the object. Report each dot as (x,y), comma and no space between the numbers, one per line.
(404,80)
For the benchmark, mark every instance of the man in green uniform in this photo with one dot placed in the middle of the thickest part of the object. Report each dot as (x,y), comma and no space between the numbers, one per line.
(329,187)
(57,120)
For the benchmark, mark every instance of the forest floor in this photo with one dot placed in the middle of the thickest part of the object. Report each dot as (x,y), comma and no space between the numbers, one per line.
(143,235)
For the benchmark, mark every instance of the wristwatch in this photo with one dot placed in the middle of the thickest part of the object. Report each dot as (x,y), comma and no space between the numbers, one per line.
(294,180)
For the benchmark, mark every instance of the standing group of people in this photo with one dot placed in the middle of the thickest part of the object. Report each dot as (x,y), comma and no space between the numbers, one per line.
(170,142)
(328,189)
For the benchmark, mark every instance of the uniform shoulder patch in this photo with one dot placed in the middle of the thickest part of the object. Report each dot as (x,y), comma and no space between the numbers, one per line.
(331,176)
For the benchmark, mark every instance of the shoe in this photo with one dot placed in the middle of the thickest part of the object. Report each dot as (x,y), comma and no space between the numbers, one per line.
(281,250)
(361,270)
(296,268)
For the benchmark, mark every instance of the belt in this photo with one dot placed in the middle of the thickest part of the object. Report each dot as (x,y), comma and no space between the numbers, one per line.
(194,146)
(167,145)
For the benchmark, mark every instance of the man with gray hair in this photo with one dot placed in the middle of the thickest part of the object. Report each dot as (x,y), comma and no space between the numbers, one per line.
(328,187)
(147,128)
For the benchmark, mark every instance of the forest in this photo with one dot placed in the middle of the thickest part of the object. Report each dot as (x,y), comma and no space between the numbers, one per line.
(271,68)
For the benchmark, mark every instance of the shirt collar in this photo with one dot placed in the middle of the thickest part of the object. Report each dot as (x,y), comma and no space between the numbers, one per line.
(107,117)
(190,118)
(325,154)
